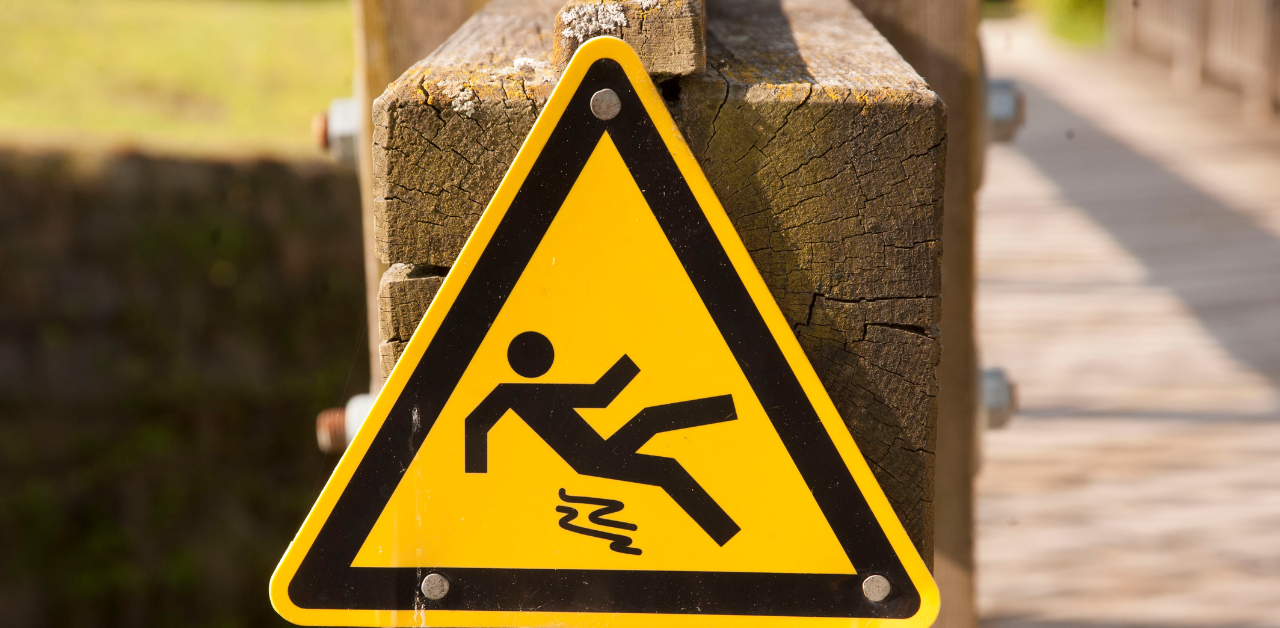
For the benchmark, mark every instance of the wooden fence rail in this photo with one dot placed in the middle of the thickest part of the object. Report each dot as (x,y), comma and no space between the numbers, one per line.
(1235,43)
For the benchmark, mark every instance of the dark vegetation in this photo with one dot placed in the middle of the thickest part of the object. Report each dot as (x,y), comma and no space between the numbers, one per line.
(168,331)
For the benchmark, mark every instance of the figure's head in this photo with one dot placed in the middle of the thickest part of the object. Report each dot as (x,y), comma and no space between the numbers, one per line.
(531,354)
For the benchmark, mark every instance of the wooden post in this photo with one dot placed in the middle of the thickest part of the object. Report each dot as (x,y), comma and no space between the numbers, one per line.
(1122,23)
(1259,69)
(1273,45)
(390,35)
(825,147)
(1191,24)
(940,40)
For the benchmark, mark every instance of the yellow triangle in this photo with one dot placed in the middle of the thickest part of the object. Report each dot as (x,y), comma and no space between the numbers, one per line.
(605,283)
(486,467)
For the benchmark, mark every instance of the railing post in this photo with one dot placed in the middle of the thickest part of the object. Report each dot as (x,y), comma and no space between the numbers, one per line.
(1258,76)
(1191,23)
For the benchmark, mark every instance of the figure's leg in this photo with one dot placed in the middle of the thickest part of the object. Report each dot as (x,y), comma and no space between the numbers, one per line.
(667,474)
(668,418)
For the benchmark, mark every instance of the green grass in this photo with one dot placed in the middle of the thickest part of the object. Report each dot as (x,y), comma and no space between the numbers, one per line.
(1080,22)
(179,75)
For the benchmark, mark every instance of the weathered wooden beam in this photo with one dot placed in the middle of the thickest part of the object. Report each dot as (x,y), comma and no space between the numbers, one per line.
(390,35)
(940,40)
(668,35)
(404,294)
(825,147)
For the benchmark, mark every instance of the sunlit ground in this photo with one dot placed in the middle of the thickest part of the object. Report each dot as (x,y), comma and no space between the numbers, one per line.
(224,76)
(1129,281)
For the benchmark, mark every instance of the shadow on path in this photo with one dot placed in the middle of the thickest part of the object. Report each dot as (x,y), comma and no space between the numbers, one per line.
(1025,622)
(1222,265)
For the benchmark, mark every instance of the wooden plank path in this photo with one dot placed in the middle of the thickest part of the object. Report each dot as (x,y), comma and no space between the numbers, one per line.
(1129,280)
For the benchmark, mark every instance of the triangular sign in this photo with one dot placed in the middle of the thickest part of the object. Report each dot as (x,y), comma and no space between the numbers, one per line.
(603,419)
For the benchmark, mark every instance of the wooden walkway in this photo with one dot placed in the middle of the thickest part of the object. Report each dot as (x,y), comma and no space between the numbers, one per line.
(1129,281)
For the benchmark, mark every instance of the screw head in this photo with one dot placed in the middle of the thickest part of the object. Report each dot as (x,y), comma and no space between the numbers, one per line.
(876,588)
(435,587)
(605,104)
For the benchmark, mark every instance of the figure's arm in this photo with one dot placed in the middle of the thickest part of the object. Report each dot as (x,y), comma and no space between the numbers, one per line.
(477,426)
(609,386)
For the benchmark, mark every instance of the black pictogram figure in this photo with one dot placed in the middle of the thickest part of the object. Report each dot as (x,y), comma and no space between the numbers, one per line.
(619,542)
(549,409)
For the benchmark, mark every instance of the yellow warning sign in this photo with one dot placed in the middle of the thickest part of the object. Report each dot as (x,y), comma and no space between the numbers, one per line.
(604,418)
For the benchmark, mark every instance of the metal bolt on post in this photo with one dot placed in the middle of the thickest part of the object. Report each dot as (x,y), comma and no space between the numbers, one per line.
(435,587)
(876,588)
(605,104)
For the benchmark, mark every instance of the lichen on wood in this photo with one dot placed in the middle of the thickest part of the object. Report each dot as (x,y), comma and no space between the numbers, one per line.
(668,35)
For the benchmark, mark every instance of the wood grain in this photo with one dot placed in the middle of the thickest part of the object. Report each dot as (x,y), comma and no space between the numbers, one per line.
(940,40)
(390,35)
(404,294)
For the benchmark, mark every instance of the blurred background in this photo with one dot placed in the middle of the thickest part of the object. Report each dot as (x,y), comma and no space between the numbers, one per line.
(1128,252)
(182,290)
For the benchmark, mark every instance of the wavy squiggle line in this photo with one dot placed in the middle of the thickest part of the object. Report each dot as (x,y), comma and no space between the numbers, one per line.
(618,542)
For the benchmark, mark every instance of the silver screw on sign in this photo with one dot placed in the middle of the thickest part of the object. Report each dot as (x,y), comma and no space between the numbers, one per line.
(876,588)
(435,587)
(605,104)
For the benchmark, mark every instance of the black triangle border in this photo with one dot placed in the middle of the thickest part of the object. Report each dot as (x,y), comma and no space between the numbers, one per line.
(325,578)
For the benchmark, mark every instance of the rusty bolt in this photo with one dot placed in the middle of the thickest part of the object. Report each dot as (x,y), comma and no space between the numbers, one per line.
(331,430)
(320,129)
